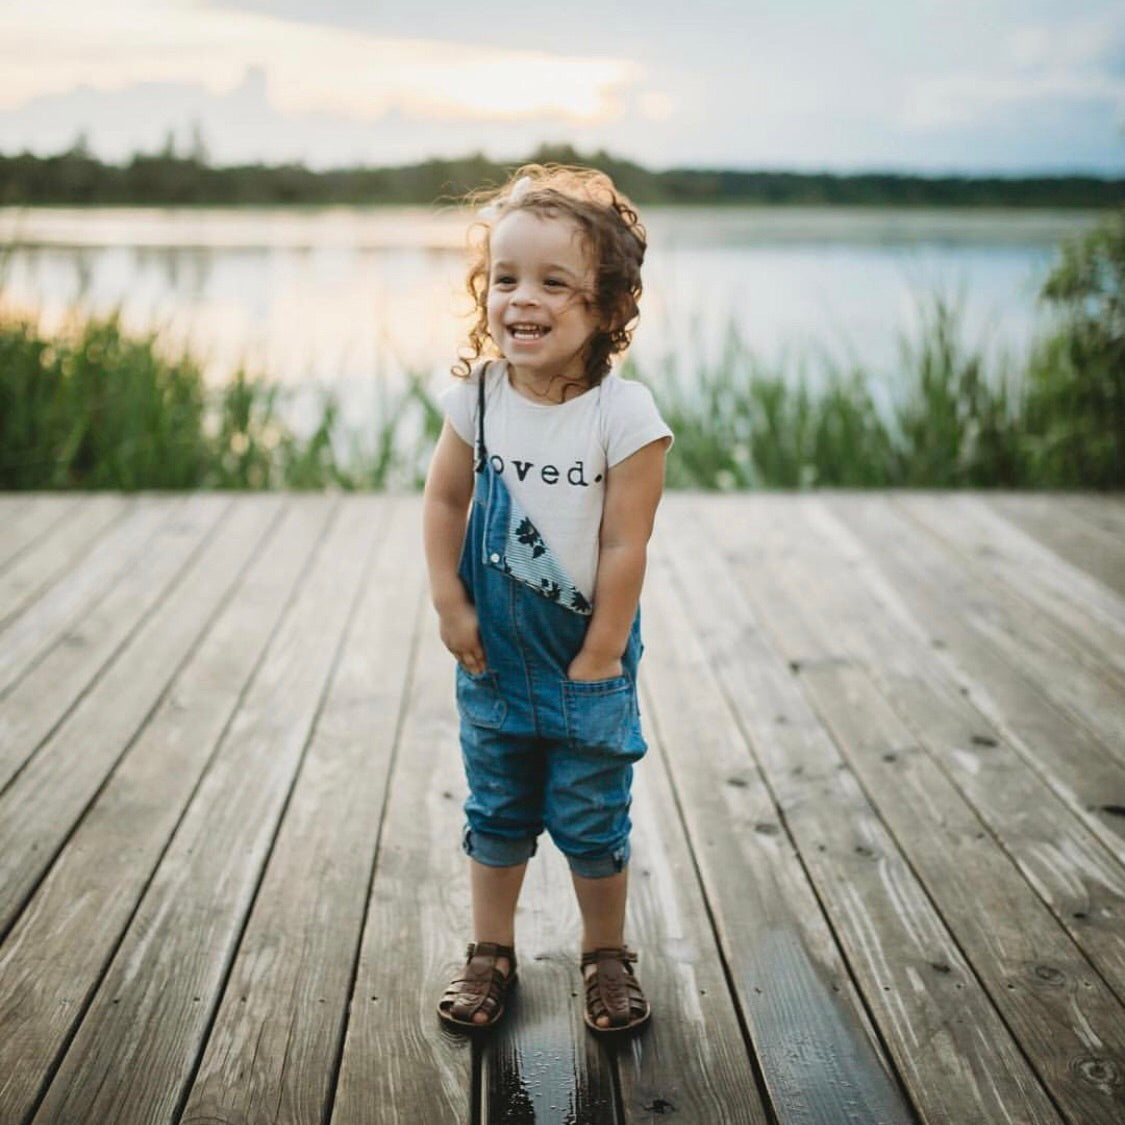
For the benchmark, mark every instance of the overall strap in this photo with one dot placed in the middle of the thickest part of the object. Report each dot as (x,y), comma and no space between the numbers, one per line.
(482,453)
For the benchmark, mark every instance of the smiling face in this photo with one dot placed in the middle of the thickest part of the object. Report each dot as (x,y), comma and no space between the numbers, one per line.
(540,297)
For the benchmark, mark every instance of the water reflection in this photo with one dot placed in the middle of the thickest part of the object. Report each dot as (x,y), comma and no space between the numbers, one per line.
(349,297)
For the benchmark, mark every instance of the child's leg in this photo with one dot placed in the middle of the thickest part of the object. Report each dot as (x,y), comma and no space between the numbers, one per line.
(602,902)
(495,891)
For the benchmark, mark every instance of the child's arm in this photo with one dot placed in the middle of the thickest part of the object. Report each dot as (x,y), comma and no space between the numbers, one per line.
(449,489)
(632,493)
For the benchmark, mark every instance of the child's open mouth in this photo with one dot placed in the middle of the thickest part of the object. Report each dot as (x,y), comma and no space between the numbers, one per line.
(527,331)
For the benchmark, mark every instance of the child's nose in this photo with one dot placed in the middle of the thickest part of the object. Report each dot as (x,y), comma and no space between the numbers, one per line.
(523,295)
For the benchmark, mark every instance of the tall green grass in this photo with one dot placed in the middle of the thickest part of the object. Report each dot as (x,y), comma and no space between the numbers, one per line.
(91,407)
(94,407)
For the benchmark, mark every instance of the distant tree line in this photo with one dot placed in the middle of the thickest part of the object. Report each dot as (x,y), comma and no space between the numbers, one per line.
(168,178)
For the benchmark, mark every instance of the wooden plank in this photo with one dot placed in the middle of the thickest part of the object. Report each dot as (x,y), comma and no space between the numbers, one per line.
(693,1061)
(38,566)
(133,1055)
(1105,511)
(400,1066)
(1018,564)
(817,1052)
(958,1061)
(1053,521)
(27,517)
(794,544)
(1069,1023)
(1063,661)
(540,1065)
(57,951)
(41,700)
(47,620)
(1070,760)
(42,805)
(271,1053)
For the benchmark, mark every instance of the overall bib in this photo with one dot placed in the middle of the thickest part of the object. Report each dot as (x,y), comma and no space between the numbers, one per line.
(540,750)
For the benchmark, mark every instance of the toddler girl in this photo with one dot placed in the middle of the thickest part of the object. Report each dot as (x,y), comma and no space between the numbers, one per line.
(563,464)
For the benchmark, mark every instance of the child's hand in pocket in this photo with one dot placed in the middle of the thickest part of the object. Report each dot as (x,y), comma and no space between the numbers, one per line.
(587,666)
(459,634)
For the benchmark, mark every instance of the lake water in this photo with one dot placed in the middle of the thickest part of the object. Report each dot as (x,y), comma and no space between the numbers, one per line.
(354,298)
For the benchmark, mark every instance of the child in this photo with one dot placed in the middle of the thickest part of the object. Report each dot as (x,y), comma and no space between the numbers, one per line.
(563,463)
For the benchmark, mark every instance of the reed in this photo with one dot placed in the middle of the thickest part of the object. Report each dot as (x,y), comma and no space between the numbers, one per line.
(93,407)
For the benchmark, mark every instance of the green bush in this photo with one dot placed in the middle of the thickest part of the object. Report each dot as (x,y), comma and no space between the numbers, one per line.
(1075,404)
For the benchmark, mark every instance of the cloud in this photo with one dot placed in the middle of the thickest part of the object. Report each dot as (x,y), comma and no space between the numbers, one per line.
(1076,62)
(311,68)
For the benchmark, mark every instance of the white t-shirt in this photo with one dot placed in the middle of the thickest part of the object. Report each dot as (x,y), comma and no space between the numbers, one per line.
(553,457)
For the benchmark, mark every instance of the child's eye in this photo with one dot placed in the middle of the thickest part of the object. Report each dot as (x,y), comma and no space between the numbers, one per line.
(555,283)
(504,279)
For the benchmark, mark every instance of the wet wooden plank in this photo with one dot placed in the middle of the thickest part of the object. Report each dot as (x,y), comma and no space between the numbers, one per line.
(69,540)
(1069,1023)
(271,1053)
(540,1066)
(692,1062)
(1054,522)
(53,958)
(41,700)
(1078,768)
(44,622)
(947,1041)
(794,544)
(134,1053)
(27,517)
(400,1066)
(819,1057)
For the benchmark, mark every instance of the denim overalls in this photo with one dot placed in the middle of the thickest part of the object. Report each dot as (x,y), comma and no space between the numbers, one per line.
(539,750)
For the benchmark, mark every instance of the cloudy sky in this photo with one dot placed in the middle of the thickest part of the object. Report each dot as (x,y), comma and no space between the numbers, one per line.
(928,85)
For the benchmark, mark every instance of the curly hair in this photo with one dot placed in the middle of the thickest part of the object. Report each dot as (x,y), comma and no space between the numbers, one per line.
(614,237)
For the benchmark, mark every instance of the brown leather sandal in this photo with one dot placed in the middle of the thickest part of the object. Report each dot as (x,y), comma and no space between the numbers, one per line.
(481,986)
(612,990)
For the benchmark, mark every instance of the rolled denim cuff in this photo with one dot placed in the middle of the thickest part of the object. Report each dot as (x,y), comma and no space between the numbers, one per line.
(600,866)
(497,851)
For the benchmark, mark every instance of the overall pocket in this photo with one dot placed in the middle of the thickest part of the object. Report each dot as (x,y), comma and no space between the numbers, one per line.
(479,700)
(598,712)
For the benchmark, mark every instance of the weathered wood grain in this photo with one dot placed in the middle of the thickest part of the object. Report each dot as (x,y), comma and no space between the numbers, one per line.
(400,1066)
(792,544)
(1068,1022)
(272,1050)
(39,565)
(29,516)
(820,1059)
(42,699)
(217,749)
(133,1055)
(46,620)
(1045,582)
(1105,511)
(1078,768)
(53,958)
(957,1059)
(41,806)
(1057,525)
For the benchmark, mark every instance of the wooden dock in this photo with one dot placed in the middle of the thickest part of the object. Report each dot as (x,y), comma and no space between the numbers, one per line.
(879,836)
